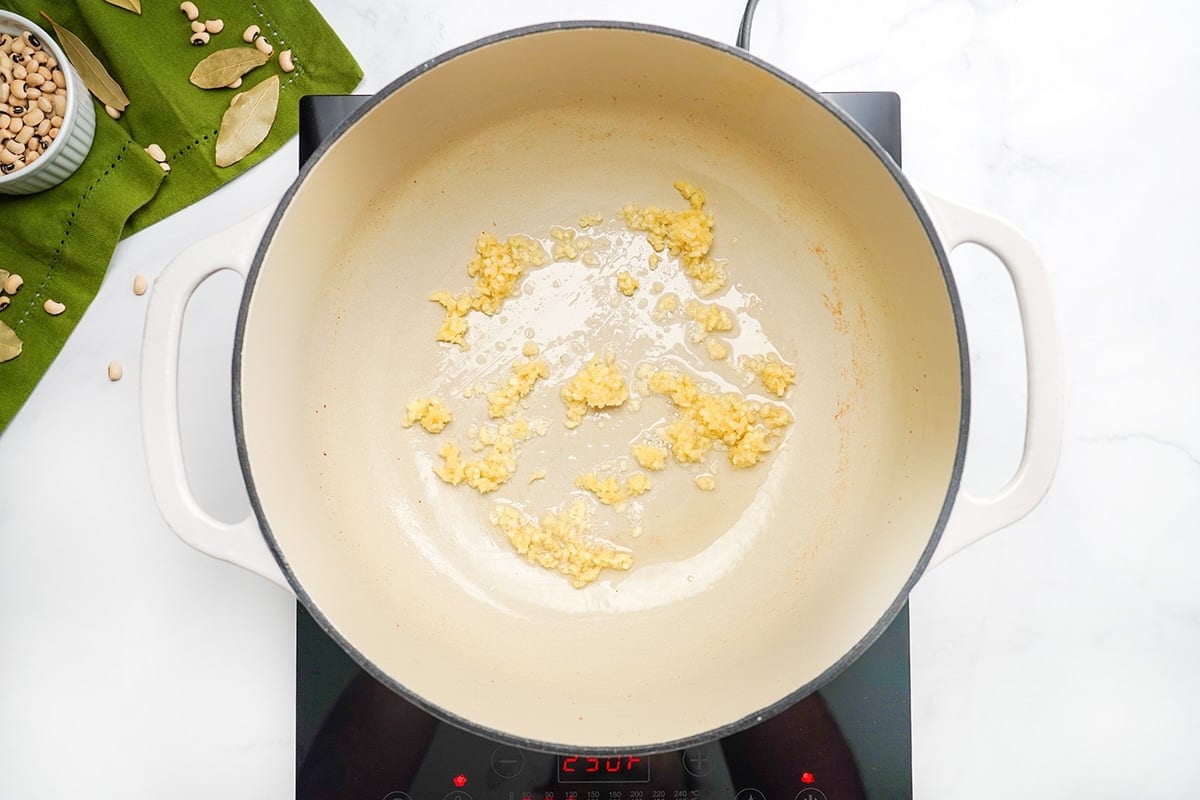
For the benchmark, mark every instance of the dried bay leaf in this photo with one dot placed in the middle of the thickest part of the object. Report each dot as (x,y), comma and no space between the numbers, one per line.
(95,76)
(224,67)
(10,343)
(247,121)
(129,5)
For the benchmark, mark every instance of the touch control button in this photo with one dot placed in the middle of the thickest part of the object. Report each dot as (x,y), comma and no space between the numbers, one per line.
(810,794)
(697,762)
(750,794)
(458,794)
(507,762)
(396,796)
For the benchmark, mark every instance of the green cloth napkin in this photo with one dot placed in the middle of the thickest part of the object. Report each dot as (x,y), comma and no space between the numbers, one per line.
(61,240)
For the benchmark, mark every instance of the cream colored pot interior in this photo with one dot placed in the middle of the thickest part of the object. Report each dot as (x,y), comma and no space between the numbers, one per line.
(738,597)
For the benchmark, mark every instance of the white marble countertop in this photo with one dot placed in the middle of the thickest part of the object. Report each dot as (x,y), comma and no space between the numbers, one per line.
(1056,659)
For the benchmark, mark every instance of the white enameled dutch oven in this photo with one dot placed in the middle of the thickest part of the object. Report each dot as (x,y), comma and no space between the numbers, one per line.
(742,600)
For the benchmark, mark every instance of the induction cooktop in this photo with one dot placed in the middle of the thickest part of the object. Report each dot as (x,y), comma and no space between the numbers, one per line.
(358,740)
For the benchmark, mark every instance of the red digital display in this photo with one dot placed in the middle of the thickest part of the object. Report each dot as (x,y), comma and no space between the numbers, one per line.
(603,769)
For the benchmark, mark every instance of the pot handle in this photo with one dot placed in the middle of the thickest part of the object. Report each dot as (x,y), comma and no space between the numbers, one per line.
(240,543)
(975,517)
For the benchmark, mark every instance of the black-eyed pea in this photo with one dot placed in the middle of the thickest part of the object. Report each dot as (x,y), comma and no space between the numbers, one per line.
(56,121)
(114,371)
(7,168)
(49,87)
(139,285)
(32,156)
(4,92)
(4,120)
(285,61)
(115,113)
(43,127)
(60,105)
(189,9)
(14,147)
(19,90)
(53,307)
(34,95)
(4,301)
(7,158)
(24,135)
(44,144)
(51,62)
(264,46)
(19,72)
(54,133)
(250,34)
(197,26)
(58,77)
(34,117)
(236,84)
(13,283)
(165,167)
(41,57)
(45,105)
(200,38)
(156,153)
(214,25)
(31,40)
(15,124)
(35,80)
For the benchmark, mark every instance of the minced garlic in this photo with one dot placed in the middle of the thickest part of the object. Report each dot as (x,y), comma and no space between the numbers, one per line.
(710,317)
(687,234)
(564,541)
(497,268)
(650,457)
(717,351)
(529,350)
(598,385)
(667,304)
(431,413)
(627,284)
(706,483)
(610,492)
(775,375)
(493,470)
(591,220)
(504,400)
(706,420)
(654,260)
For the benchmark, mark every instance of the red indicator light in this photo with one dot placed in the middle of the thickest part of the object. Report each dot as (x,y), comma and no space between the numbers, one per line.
(459,780)
(807,777)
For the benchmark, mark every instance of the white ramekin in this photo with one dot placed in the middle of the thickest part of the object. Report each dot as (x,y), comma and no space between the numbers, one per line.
(70,148)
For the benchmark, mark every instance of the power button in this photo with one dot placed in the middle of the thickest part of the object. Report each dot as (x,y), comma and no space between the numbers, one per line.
(810,794)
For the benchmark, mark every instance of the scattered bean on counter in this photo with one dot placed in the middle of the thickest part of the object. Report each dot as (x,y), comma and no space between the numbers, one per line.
(189,8)
(236,84)
(33,100)
(250,34)
(156,153)
(285,61)
(139,285)
(200,38)
(214,25)
(4,301)
(114,371)
(13,283)
(53,307)
(264,46)
(197,26)
(115,113)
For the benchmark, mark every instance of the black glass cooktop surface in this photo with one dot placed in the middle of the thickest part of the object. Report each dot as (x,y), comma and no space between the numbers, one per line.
(358,740)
